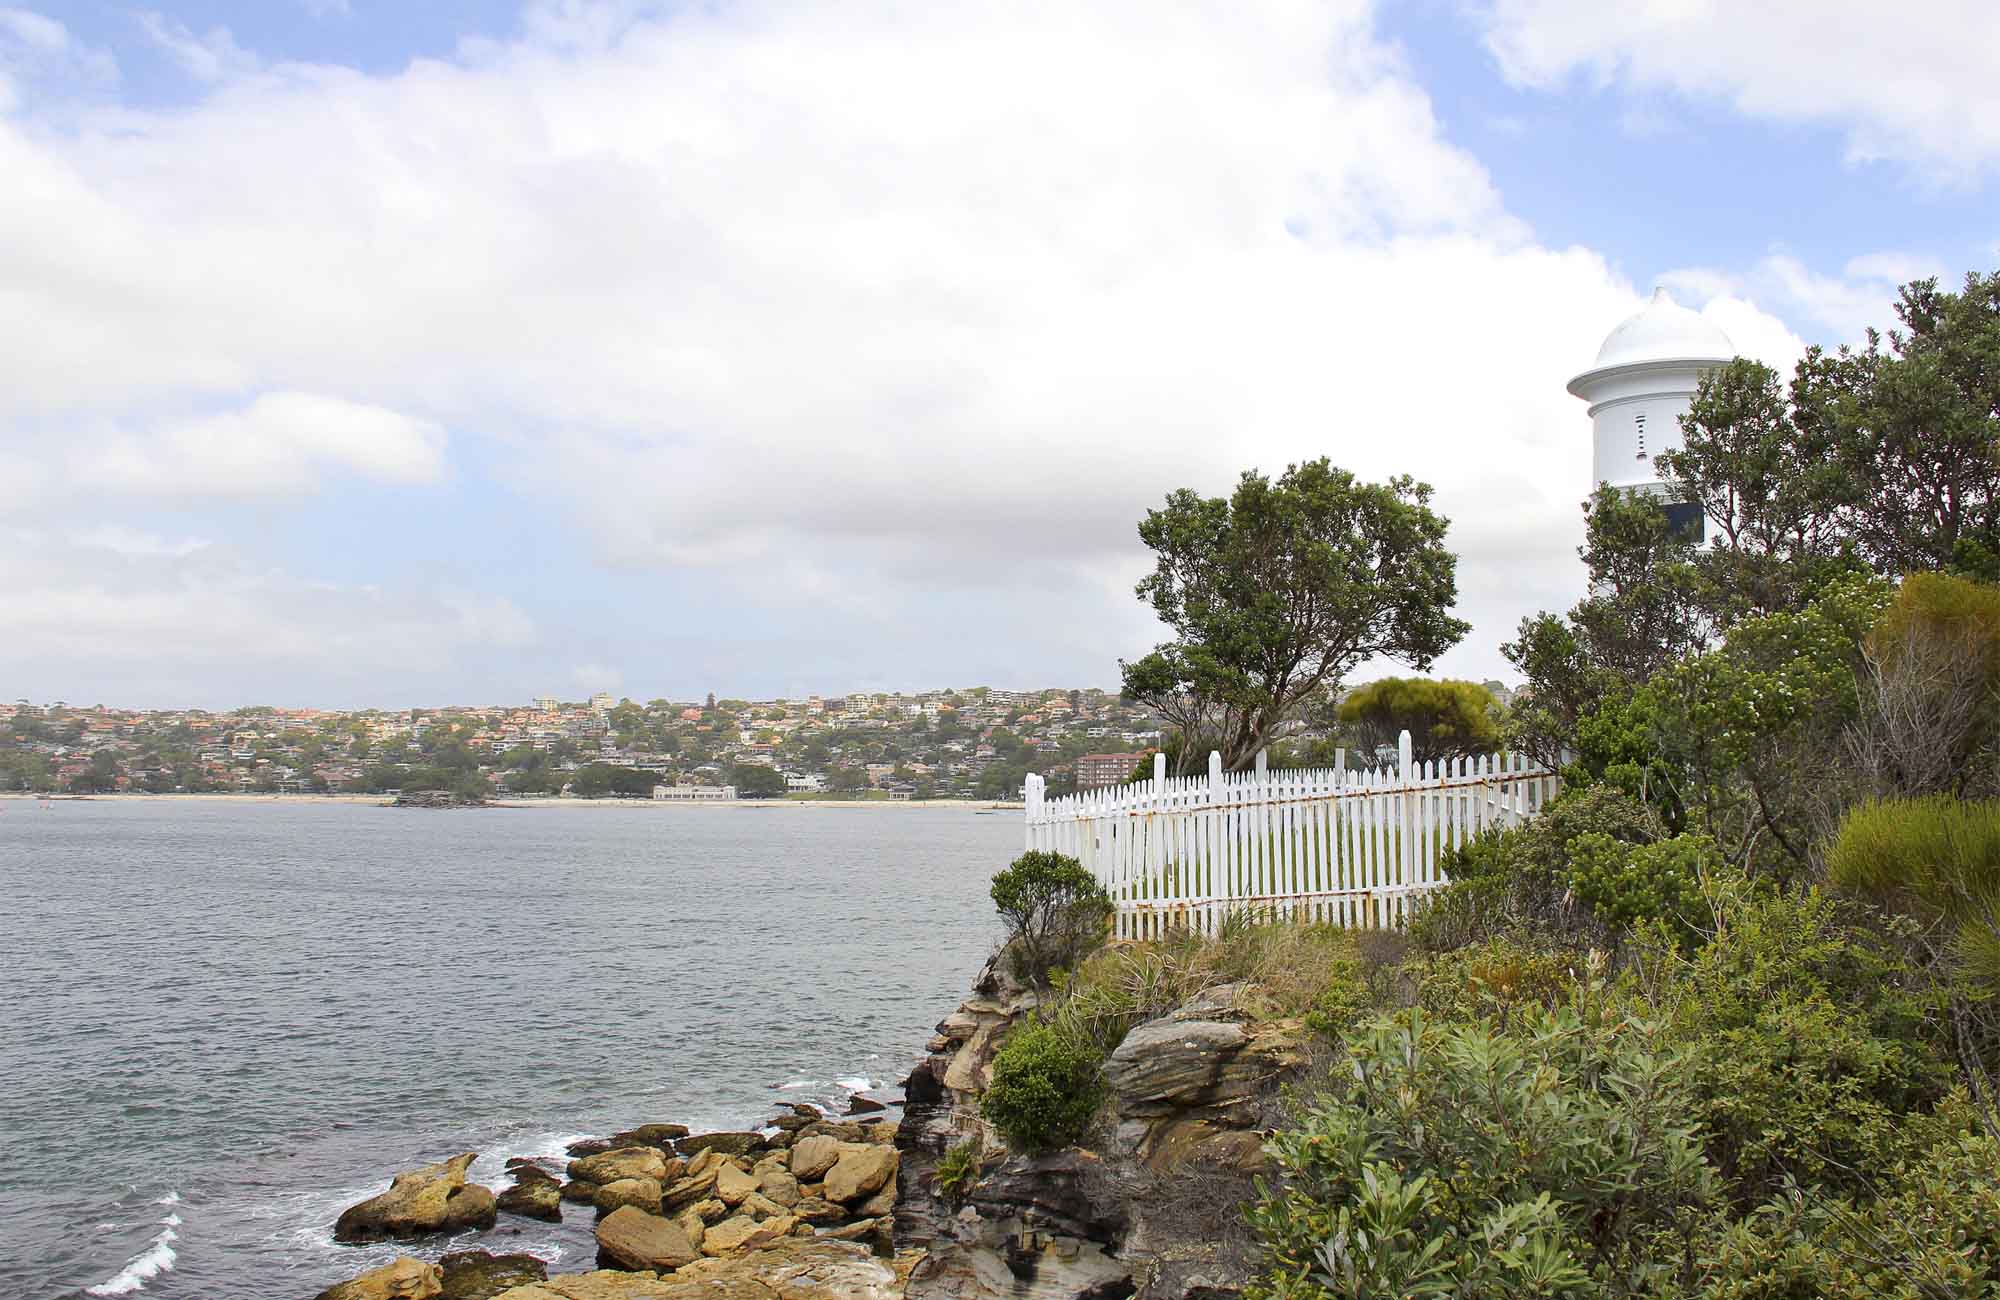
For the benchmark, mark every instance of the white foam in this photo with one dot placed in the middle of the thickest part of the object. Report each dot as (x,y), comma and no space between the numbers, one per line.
(795,1084)
(855,1084)
(157,1258)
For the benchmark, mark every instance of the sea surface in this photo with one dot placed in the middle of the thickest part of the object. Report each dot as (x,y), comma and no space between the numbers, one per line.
(224,1022)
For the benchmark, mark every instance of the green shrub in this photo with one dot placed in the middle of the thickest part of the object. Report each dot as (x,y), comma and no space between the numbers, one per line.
(1937,857)
(1056,913)
(1934,1234)
(1812,1045)
(1458,1161)
(1046,1086)
(1622,884)
(1496,979)
(957,1170)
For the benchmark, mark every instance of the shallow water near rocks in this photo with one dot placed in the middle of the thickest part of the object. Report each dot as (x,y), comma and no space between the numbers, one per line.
(224,1022)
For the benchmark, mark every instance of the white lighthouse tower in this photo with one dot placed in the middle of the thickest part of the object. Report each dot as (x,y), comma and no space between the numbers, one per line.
(1642,384)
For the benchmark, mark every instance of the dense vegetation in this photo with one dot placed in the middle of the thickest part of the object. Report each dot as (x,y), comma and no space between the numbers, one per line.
(1720,1024)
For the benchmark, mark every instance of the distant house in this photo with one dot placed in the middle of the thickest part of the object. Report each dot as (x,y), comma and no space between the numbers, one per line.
(1095,771)
(694,793)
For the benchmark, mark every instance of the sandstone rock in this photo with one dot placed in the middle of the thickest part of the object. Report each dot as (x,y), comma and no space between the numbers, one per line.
(688,1190)
(634,1193)
(652,1135)
(584,1192)
(733,1236)
(859,1230)
(434,1198)
(860,1172)
(605,1284)
(404,1279)
(735,1144)
(882,1131)
(861,1105)
(710,1211)
(833,1128)
(587,1147)
(772,1160)
(631,1238)
(1167,1063)
(625,1162)
(815,1209)
(524,1170)
(481,1275)
(813,1156)
(759,1206)
(538,1200)
(732,1185)
(691,1224)
(881,1203)
(780,1186)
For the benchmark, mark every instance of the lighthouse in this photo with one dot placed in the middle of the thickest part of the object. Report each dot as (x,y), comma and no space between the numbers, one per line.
(1641,385)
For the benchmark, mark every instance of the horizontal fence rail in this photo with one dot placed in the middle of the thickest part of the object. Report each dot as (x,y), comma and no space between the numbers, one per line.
(1351,848)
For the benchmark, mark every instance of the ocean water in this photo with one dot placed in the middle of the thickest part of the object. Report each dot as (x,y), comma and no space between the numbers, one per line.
(224,1022)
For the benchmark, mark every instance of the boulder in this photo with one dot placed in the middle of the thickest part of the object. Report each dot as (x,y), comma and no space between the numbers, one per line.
(584,1192)
(691,1223)
(735,1144)
(481,1275)
(435,1198)
(709,1211)
(813,1156)
(625,1162)
(779,1185)
(537,1200)
(403,1279)
(881,1203)
(860,1172)
(759,1206)
(662,1136)
(814,1209)
(859,1230)
(524,1170)
(631,1238)
(833,1128)
(734,1236)
(688,1190)
(860,1105)
(1222,1066)
(637,1193)
(883,1131)
(732,1185)
(587,1147)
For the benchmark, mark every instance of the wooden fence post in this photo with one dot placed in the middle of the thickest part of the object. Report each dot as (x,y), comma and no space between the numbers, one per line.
(1406,773)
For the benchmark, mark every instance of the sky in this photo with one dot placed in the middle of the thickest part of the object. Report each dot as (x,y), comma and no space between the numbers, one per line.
(359,353)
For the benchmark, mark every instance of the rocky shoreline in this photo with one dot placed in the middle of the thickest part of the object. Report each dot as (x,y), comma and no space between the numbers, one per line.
(810,1207)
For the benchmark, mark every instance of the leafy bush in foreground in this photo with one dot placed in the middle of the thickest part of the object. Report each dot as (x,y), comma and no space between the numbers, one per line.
(1811,1046)
(1046,1086)
(1056,913)
(1456,1160)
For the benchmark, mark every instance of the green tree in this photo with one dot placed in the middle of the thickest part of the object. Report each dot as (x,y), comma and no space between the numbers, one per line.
(1055,911)
(755,781)
(1275,592)
(1445,719)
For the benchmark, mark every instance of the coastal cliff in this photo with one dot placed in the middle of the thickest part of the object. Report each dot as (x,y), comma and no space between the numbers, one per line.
(1146,1206)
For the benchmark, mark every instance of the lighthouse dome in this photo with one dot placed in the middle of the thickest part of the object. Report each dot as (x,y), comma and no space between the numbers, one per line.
(1664,331)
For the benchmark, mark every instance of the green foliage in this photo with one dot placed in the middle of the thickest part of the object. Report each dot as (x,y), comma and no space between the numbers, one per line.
(1055,911)
(1549,1159)
(1275,592)
(595,780)
(1932,718)
(1812,1044)
(957,1170)
(1933,1235)
(1445,719)
(1495,980)
(755,781)
(1623,884)
(1937,857)
(1046,1087)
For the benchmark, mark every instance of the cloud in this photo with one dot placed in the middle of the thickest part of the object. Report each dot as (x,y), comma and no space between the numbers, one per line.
(1915,85)
(279,445)
(210,58)
(118,616)
(891,321)
(328,8)
(39,56)
(1843,306)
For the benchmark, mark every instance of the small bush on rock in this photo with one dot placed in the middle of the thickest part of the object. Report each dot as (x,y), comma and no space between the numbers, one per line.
(1056,914)
(1046,1086)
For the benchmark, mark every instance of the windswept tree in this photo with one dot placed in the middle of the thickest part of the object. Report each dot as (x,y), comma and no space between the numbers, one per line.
(1275,592)
(1445,719)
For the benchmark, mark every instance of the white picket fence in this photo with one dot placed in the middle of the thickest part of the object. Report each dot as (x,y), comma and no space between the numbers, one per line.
(1326,844)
